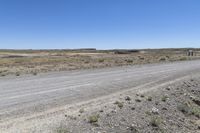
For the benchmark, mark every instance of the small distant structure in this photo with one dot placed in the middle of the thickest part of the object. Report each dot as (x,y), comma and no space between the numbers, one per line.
(125,51)
(190,52)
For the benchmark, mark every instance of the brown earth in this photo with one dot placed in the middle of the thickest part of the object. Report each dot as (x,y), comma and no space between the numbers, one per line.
(33,62)
(174,108)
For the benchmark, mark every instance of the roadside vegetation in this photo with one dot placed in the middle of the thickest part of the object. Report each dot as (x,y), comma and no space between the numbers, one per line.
(19,62)
(174,108)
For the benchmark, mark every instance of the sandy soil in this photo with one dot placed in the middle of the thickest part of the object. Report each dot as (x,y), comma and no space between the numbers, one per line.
(167,105)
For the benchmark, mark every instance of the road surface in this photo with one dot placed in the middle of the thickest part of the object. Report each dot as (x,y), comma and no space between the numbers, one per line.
(25,95)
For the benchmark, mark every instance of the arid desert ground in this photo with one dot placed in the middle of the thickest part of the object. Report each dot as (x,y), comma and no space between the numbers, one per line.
(98,91)
(20,62)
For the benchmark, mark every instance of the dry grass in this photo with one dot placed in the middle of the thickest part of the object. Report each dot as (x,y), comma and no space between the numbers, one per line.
(93,119)
(34,62)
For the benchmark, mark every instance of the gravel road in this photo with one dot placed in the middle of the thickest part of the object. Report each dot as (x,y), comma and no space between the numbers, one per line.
(25,95)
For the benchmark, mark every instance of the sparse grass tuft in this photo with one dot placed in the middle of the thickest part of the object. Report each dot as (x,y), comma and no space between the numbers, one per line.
(184,108)
(86,62)
(17,74)
(149,98)
(129,61)
(155,121)
(188,109)
(34,73)
(101,60)
(156,102)
(183,58)
(119,104)
(195,111)
(138,100)
(127,98)
(164,98)
(94,119)
(162,59)
(61,129)
(81,110)
(142,95)
(3,75)
(148,112)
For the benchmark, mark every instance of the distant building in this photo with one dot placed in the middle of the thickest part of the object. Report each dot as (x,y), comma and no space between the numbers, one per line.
(190,53)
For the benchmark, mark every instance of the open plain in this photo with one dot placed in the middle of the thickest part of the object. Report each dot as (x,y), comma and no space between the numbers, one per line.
(19,62)
(74,101)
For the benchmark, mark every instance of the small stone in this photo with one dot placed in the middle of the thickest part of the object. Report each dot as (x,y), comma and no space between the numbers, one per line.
(113,111)
(180,119)
(196,101)
(108,115)
(132,108)
(164,108)
(142,95)
(133,128)
(188,85)
(137,100)
(192,97)
(123,119)
(156,102)
(155,110)
(127,98)
(168,88)
(198,124)
(101,111)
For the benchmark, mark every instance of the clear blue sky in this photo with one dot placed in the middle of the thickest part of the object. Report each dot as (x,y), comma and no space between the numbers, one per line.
(102,24)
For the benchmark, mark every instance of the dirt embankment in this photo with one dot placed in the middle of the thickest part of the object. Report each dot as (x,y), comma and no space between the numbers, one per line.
(166,107)
(171,109)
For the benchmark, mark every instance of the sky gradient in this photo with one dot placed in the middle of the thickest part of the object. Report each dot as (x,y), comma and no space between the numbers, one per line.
(101,24)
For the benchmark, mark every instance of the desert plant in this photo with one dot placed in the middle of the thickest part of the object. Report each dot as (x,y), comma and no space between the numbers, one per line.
(155,121)
(3,75)
(61,129)
(17,74)
(156,102)
(129,61)
(162,59)
(188,109)
(149,98)
(195,111)
(94,118)
(133,129)
(184,108)
(86,62)
(127,98)
(34,73)
(164,98)
(81,110)
(183,58)
(142,95)
(101,60)
(138,100)
(148,112)
(119,104)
